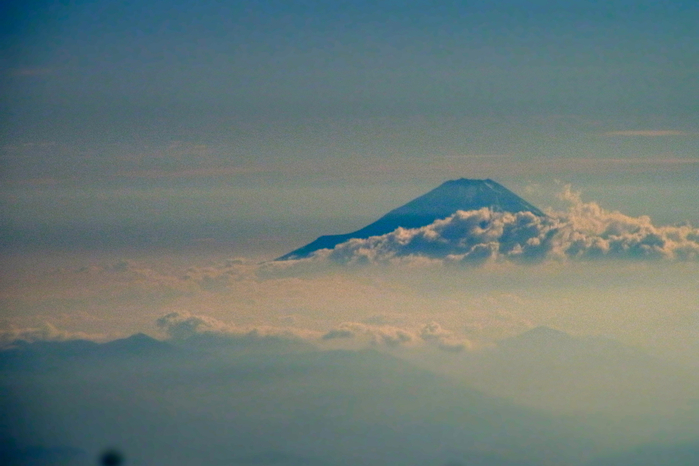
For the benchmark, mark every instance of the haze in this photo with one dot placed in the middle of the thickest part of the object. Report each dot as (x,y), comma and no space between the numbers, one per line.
(157,156)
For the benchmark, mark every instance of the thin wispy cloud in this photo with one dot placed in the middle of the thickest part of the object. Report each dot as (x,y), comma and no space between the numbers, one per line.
(647,133)
(478,156)
(203,172)
(24,72)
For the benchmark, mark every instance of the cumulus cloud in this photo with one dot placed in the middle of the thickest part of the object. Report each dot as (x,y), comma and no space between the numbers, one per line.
(184,325)
(377,334)
(444,339)
(585,231)
(386,335)
(181,326)
(10,333)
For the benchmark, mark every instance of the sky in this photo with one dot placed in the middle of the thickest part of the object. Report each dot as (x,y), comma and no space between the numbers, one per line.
(310,113)
(156,156)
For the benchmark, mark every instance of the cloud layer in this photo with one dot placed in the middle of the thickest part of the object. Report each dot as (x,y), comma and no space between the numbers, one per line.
(431,333)
(647,133)
(585,231)
(183,325)
(10,333)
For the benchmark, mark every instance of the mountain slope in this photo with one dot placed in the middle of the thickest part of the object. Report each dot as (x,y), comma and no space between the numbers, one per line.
(264,407)
(441,202)
(550,369)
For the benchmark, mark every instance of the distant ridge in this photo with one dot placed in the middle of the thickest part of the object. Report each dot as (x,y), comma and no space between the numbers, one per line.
(441,202)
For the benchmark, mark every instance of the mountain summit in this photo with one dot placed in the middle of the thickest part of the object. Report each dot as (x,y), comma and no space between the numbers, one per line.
(441,202)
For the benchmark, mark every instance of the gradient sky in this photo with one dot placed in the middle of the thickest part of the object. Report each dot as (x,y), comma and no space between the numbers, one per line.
(155,155)
(238,114)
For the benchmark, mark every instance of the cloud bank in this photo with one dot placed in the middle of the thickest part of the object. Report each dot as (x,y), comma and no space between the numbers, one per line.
(10,334)
(183,325)
(431,333)
(584,232)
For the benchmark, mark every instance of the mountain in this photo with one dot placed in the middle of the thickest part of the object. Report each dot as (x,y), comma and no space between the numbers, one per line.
(441,202)
(28,356)
(137,345)
(550,369)
(682,454)
(282,408)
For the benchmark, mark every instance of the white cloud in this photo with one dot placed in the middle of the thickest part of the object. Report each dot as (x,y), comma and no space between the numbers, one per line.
(387,335)
(10,333)
(183,325)
(585,231)
(376,334)
(444,339)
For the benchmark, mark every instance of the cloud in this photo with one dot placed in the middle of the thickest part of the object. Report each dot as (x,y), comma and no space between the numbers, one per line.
(584,232)
(183,325)
(444,339)
(10,333)
(647,133)
(210,278)
(180,326)
(30,72)
(386,335)
(201,172)
(377,334)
